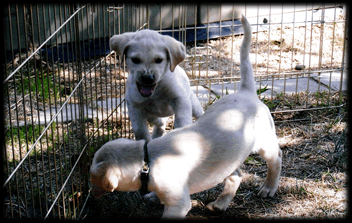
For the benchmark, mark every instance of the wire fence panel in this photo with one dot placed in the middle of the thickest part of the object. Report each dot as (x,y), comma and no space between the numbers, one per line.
(50,86)
(64,89)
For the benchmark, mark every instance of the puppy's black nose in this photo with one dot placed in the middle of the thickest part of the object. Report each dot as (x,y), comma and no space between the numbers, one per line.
(147,78)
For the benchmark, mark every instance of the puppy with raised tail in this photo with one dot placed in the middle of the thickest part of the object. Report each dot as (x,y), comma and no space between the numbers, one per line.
(199,156)
(156,86)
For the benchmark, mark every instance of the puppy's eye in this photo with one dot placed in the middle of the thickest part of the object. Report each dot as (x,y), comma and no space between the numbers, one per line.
(158,60)
(136,60)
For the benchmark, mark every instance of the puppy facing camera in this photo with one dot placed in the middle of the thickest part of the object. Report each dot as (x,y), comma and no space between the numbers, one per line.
(156,86)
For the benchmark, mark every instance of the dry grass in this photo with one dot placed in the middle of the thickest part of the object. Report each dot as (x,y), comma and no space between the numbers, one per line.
(276,50)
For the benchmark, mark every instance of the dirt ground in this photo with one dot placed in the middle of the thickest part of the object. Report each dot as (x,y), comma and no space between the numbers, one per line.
(275,50)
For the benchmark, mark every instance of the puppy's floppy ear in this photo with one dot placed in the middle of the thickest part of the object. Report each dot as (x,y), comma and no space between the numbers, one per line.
(110,181)
(118,43)
(96,170)
(104,175)
(176,51)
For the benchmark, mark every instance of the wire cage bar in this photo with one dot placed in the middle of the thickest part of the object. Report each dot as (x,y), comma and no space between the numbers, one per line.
(64,88)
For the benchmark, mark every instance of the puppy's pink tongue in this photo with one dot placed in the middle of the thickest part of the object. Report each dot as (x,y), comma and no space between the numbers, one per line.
(146,91)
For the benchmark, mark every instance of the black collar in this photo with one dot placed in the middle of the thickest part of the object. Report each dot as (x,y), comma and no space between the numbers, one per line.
(145,170)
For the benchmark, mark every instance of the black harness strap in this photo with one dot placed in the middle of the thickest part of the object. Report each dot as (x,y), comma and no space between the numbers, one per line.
(145,171)
(146,155)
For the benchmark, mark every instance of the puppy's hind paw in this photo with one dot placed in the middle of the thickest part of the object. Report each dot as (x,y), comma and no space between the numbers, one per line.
(266,191)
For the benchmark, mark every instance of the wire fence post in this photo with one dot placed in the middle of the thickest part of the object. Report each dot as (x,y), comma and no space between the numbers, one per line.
(81,99)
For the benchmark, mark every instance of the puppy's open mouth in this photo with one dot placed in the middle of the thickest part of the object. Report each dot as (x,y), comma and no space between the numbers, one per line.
(146,90)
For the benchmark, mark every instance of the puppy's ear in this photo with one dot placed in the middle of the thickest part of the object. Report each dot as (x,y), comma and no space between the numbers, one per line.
(96,170)
(110,181)
(118,43)
(104,176)
(176,51)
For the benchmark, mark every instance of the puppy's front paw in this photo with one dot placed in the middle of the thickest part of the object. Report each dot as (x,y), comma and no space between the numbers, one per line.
(151,198)
(266,191)
(217,206)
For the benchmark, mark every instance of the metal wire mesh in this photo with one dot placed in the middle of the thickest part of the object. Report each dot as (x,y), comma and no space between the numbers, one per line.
(64,89)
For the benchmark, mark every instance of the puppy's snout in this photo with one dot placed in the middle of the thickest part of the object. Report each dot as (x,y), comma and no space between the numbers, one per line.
(147,78)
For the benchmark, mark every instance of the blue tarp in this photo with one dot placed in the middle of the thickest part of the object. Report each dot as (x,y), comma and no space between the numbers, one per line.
(100,47)
(214,31)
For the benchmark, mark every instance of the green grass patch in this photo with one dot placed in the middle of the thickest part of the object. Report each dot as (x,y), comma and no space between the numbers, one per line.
(40,85)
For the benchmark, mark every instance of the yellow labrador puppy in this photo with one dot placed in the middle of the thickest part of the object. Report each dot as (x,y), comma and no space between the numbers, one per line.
(156,86)
(199,156)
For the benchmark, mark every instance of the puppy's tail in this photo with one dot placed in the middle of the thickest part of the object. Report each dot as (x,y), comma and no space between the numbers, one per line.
(247,78)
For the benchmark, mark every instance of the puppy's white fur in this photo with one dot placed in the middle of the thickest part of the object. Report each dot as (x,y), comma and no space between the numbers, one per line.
(156,86)
(201,155)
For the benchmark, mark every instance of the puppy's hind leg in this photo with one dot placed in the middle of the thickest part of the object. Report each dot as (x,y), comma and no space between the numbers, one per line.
(272,154)
(176,205)
(232,183)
